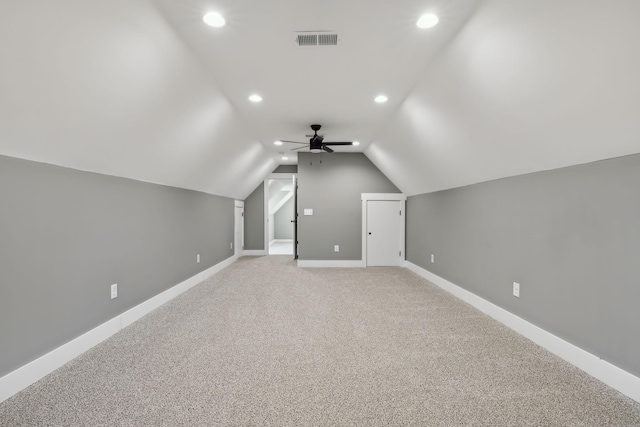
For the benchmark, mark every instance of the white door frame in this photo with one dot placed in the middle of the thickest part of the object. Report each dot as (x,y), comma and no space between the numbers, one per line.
(284,176)
(238,251)
(365,197)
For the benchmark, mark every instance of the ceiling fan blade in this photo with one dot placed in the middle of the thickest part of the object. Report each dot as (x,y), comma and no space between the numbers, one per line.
(295,142)
(338,143)
(298,148)
(327,149)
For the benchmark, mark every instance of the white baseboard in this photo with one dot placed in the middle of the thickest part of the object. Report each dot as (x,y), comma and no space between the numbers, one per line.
(28,374)
(331,263)
(258,252)
(609,374)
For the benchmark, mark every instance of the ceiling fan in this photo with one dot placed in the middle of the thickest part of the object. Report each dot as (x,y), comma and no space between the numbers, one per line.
(316,143)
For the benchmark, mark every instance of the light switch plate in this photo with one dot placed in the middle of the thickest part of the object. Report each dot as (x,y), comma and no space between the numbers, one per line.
(308,211)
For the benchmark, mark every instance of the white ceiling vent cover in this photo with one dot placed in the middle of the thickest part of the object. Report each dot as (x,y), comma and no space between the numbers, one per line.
(319,39)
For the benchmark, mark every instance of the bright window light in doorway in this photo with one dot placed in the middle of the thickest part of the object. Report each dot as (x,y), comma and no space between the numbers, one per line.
(214,19)
(381,99)
(255,98)
(427,21)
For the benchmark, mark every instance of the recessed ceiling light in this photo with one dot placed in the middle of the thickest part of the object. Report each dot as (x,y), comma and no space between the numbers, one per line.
(285,158)
(381,99)
(214,19)
(356,143)
(278,143)
(427,21)
(255,98)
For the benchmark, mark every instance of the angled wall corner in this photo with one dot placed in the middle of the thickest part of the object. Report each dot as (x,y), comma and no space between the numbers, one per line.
(333,190)
(254,220)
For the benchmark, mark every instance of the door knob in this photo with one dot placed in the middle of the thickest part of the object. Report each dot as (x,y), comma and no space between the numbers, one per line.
(369,232)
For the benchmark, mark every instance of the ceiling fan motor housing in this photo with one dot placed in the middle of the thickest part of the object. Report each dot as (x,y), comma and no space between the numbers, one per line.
(315,143)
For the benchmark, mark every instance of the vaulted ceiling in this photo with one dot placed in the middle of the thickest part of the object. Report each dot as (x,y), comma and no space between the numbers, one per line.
(144,89)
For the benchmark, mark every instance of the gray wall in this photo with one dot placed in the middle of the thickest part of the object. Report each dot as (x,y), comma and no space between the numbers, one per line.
(67,235)
(254,219)
(283,228)
(332,189)
(286,169)
(570,237)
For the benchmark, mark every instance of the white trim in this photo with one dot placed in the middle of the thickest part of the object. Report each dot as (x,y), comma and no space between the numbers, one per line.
(254,252)
(609,374)
(365,197)
(281,241)
(331,263)
(28,374)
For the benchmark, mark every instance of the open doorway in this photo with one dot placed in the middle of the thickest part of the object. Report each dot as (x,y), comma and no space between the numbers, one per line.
(280,206)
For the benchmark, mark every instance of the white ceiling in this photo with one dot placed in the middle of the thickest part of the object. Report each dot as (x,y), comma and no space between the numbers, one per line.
(143,89)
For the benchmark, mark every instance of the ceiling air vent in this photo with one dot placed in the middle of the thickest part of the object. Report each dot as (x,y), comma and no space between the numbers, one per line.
(321,39)
(307,40)
(328,39)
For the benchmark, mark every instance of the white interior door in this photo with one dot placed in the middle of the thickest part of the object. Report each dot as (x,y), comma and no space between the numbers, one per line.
(238,241)
(384,229)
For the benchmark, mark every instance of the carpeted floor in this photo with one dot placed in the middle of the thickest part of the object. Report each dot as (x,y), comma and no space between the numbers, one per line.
(266,343)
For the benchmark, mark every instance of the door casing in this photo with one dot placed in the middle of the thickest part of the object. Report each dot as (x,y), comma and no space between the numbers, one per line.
(401,198)
(238,227)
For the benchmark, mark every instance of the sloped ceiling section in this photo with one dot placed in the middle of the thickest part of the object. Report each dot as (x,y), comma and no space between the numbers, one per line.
(526,86)
(380,50)
(143,89)
(108,87)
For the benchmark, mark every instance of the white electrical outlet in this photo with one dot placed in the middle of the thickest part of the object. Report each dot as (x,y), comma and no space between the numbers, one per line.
(336,248)
(516,289)
(198,258)
(231,245)
(433,258)
(114,291)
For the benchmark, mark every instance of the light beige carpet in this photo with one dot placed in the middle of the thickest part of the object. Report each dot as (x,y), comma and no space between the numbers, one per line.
(266,343)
